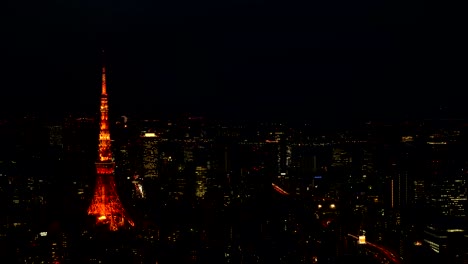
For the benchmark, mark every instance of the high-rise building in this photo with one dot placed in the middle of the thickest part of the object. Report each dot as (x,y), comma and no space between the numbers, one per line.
(399,190)
(201,187)
(447,237)
(150,155)
(55,136)
(449,195)
(419,191)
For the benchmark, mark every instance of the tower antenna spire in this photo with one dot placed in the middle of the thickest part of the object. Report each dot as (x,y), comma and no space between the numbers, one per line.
(104,87)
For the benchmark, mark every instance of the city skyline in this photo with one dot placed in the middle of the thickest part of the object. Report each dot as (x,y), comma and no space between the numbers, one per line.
(233,132)
(201,191)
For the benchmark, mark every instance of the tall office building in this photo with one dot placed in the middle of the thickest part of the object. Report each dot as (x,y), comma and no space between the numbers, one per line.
(201,181)
(449,195)
(447,237)
(399,190)
(55,136)
(150,155)
(419,191)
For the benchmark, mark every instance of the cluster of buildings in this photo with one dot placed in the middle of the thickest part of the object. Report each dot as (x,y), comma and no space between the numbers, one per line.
(190,182)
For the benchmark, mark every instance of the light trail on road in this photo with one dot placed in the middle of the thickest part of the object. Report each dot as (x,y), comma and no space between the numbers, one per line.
(387,253)
(279,190)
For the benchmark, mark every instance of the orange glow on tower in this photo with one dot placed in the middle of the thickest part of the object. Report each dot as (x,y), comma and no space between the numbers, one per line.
(104,91)
(106,205)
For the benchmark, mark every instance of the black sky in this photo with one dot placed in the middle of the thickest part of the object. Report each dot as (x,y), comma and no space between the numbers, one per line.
(337,59)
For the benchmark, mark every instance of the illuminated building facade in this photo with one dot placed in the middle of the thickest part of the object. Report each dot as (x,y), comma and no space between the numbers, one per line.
(201,188)
(55,136)
(150,155)
(399,190)
(447,237)
(419,191)
(449,195)
(106,205)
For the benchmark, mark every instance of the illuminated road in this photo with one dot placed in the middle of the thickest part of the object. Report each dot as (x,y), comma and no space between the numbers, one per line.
(279,190)
(383,254)
(387,254)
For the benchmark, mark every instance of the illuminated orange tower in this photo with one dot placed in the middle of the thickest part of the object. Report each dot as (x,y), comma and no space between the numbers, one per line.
(106,205)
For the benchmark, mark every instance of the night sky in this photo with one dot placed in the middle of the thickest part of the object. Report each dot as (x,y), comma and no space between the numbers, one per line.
(291,59)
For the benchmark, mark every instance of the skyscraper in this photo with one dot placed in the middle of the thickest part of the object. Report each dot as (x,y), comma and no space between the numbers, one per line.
(150,155)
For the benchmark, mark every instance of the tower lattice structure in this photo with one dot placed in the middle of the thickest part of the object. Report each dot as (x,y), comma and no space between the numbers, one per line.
(106,205)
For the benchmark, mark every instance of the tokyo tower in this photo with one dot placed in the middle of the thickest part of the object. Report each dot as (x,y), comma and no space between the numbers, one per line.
(106,205)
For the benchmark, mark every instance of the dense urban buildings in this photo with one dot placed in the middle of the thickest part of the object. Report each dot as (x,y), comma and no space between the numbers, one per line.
(208,191)
(233,132)
(190,189)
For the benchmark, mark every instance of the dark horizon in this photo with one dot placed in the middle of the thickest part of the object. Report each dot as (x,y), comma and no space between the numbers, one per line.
(260,60)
